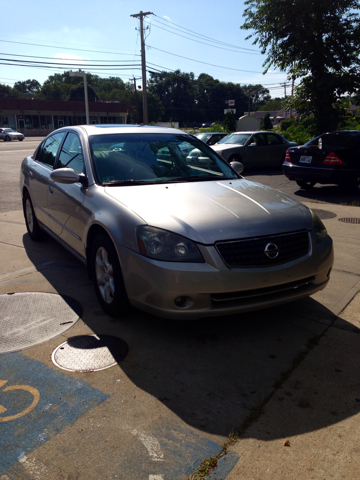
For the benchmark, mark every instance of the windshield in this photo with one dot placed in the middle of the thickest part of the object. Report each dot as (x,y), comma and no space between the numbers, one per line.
(9,130)
(236,138)
(202,136)
(141,158)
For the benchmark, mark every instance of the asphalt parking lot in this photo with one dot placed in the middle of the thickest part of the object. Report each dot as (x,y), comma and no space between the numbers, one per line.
(182,387)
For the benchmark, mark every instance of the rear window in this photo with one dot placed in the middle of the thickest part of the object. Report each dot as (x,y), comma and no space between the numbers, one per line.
(337,140)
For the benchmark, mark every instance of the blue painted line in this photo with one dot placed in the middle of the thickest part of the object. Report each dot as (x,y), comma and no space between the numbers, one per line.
(225,465)
(62,401)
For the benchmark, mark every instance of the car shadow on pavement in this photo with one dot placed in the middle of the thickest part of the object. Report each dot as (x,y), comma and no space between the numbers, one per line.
(214,373)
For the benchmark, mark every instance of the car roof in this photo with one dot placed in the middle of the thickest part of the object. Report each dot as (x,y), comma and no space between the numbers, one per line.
(256,131)
(210,133)
(121,128)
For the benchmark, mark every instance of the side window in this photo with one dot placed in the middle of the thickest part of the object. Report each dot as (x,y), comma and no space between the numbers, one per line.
(259,139)
(48,151)
(71,154)
(274,139)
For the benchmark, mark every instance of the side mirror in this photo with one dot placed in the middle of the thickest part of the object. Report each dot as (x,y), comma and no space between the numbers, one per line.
(67,176)
(253,144)
(237,166)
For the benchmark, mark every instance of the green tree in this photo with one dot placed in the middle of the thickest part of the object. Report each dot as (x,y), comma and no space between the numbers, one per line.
(77,93)
(258,94)
(272,105)
(5,91)
(176,91)
(316,41)
(28,88)
(266,124)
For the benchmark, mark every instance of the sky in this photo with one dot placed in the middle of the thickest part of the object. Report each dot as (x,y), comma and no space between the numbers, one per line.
(101,37)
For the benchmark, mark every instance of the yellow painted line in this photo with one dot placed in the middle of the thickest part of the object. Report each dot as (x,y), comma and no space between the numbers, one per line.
(35,393)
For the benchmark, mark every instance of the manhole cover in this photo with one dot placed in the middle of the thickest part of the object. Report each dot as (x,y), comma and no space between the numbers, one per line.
(323,214)
(31,318)
(350,220)
(89,353)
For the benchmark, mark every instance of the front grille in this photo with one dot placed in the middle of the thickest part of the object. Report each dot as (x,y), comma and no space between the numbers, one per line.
(246,295)
(251,251)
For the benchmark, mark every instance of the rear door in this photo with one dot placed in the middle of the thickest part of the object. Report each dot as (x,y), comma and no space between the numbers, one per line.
(276,150)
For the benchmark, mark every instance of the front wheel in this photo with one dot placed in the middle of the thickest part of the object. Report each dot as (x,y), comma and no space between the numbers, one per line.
(305,185)
(32,225)
(7,138)
(107,277)
(235,158)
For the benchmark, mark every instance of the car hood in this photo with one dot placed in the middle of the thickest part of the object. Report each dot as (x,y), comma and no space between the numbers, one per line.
(212,211)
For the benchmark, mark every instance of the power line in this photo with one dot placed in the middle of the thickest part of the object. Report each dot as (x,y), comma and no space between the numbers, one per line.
(65,48)
(203,43)
(204,63)
(204,37)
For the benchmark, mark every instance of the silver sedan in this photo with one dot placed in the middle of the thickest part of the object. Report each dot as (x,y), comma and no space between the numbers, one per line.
(173,238)
(254,149)
(8,134)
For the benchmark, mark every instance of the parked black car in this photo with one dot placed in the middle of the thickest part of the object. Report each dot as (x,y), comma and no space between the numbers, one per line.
(330,158)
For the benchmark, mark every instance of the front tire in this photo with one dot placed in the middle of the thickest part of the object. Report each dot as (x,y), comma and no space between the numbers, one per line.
(305,185)
(235,158)
(107,277)
(7,138)
(32,225)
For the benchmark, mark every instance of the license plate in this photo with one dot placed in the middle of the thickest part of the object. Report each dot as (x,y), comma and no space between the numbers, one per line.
(305,159)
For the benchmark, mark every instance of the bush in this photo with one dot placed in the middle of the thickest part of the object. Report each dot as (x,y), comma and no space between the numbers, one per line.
(298,134)
(230,122)
(286,123)
(215,128)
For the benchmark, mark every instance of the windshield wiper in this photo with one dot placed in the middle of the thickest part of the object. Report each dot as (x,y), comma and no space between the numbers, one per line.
(131,181)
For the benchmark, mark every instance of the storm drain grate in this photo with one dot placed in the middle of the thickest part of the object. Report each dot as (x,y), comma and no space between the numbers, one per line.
(31,318)
(89,353)
(350,220)
(323,214)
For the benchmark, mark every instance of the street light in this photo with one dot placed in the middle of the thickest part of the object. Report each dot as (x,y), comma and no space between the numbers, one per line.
(83,75)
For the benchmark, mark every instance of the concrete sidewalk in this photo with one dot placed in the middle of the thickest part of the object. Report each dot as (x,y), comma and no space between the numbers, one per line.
(184,387)
(310,427)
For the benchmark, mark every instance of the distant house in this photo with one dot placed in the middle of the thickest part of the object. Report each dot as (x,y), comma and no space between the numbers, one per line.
(40,117)
(275,115)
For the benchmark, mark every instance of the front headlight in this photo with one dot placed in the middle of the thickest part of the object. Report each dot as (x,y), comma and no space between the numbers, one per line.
(318,227)
(166,246)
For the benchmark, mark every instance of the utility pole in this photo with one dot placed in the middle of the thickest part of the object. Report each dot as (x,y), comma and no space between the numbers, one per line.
(83,75)
(284,84)
(141,15)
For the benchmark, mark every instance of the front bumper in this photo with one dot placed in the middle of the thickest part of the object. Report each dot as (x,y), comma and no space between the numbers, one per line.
(190,291)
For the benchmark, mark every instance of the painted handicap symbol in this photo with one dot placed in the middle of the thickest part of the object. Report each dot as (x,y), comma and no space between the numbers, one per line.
(36,397)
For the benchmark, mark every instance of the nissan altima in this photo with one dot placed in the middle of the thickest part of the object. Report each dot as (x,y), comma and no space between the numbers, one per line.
(160,233)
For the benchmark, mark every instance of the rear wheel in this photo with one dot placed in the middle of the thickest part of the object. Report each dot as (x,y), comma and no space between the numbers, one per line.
(32,225)
(107,277)
(305,185)
(7,138)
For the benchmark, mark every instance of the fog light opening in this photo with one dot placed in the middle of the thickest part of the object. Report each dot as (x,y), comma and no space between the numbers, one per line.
(183,301)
